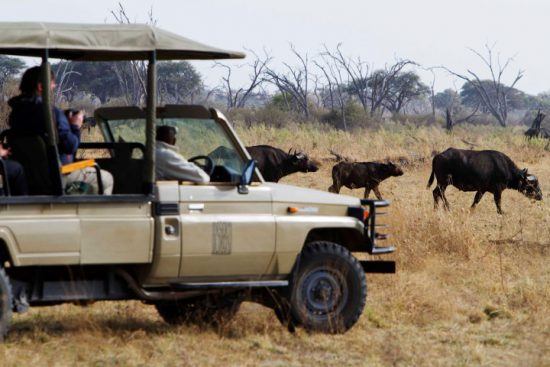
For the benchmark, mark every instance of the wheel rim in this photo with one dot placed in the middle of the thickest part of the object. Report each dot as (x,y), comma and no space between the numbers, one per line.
(324,292)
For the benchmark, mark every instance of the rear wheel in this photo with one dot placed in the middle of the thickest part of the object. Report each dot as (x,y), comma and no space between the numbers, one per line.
(328,288)
(201,310)
(6,302)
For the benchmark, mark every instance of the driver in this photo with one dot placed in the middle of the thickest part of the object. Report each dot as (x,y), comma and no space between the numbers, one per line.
(170,164)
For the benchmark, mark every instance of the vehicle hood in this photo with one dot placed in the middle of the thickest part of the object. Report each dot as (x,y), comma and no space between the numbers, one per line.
(301,195)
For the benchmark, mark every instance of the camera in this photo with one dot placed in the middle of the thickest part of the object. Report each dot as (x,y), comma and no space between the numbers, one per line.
(88,121)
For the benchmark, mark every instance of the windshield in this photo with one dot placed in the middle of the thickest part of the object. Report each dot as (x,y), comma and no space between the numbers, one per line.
(195,137)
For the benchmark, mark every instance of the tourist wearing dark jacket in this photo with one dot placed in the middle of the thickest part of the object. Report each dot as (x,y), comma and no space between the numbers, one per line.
(27,117)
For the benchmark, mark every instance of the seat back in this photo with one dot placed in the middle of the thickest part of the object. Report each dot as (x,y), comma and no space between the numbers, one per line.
(31,152)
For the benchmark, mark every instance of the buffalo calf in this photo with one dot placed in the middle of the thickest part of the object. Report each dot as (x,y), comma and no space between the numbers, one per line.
(480,171)
(355,175)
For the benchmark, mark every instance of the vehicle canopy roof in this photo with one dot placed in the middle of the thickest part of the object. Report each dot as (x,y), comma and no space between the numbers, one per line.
(102,42)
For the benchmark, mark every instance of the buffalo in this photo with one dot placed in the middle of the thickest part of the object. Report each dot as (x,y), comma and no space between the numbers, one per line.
(275,163)
(354,175)
(480,171)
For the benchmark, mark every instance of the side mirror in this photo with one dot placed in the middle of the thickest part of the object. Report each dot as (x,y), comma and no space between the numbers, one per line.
(246,176)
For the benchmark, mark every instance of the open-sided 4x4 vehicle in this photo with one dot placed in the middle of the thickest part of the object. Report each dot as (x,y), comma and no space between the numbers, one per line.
(194,251)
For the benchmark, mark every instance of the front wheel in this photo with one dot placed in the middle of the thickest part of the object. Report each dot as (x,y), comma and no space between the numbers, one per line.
(328,288)
(5,303)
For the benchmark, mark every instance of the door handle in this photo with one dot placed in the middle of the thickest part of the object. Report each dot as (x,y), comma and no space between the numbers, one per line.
(196,207)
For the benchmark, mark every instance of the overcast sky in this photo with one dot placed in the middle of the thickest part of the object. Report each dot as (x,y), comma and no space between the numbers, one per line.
(431,32)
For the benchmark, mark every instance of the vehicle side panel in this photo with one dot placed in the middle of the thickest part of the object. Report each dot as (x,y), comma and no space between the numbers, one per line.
(41,234)
(116,233)
(292,231)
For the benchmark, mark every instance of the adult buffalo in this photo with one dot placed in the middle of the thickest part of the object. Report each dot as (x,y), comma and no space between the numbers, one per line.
(354,175)
(480,171)
(275,163)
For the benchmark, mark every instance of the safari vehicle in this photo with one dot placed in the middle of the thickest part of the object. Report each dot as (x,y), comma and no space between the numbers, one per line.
(194,251)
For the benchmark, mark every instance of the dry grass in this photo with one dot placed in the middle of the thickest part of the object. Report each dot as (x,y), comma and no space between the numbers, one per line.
(472,288)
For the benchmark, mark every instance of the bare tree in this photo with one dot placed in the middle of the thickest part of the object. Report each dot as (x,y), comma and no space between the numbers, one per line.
(432,93)
(494,94)
(536,130)
(404,88)
(357,72)
(131,75)
(62,73)
(237,98)
(294,84)
(372,88)
(337,84)
(380,84)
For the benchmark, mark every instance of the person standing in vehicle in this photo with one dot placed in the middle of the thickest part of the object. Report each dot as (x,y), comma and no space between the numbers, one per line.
(27,117)
(170,164)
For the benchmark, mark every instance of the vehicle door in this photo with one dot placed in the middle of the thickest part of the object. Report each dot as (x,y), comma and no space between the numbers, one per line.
(225,235)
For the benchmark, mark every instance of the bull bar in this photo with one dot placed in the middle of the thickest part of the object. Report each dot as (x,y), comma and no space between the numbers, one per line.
(371,235)
(371,226)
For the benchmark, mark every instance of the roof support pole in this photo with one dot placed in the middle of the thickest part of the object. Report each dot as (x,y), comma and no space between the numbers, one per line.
(51,129)
(150,127)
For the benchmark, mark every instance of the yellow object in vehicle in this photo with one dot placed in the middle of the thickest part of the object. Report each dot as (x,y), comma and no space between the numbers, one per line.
(71,167)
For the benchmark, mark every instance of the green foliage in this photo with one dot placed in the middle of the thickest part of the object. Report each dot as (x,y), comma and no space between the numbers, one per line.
(405,87)
(447,99)
(97,78)
(282,102)
(178,82)
(354,115)
(9,68)
(471,98)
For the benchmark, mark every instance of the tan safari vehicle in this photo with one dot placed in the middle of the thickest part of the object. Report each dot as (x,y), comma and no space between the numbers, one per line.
(193,251)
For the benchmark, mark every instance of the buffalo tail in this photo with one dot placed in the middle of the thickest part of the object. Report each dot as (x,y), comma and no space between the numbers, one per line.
(431,180)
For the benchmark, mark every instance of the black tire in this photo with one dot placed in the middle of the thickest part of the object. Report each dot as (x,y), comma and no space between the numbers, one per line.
(328,288)
(199,311)
(6,303)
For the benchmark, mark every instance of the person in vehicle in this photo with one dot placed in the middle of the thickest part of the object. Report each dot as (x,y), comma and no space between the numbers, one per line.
(170,164)
(27,117)
(15,174)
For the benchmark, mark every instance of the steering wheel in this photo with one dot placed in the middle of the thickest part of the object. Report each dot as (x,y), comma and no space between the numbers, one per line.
(208,167)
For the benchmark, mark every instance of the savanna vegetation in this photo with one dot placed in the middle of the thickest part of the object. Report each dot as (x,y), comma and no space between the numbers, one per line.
(471,287)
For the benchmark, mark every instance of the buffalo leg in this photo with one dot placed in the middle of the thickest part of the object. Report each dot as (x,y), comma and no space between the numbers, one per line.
(477,198)
(497,195)
(437,196)
(445,201)
(377,193)
(367,193)
(335,187)
(439,193)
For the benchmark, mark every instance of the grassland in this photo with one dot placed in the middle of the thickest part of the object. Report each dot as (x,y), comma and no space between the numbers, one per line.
(472,288)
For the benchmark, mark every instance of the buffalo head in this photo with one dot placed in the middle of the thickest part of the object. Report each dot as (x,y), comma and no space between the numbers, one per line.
(393,169)
(529,185)
(300,162)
